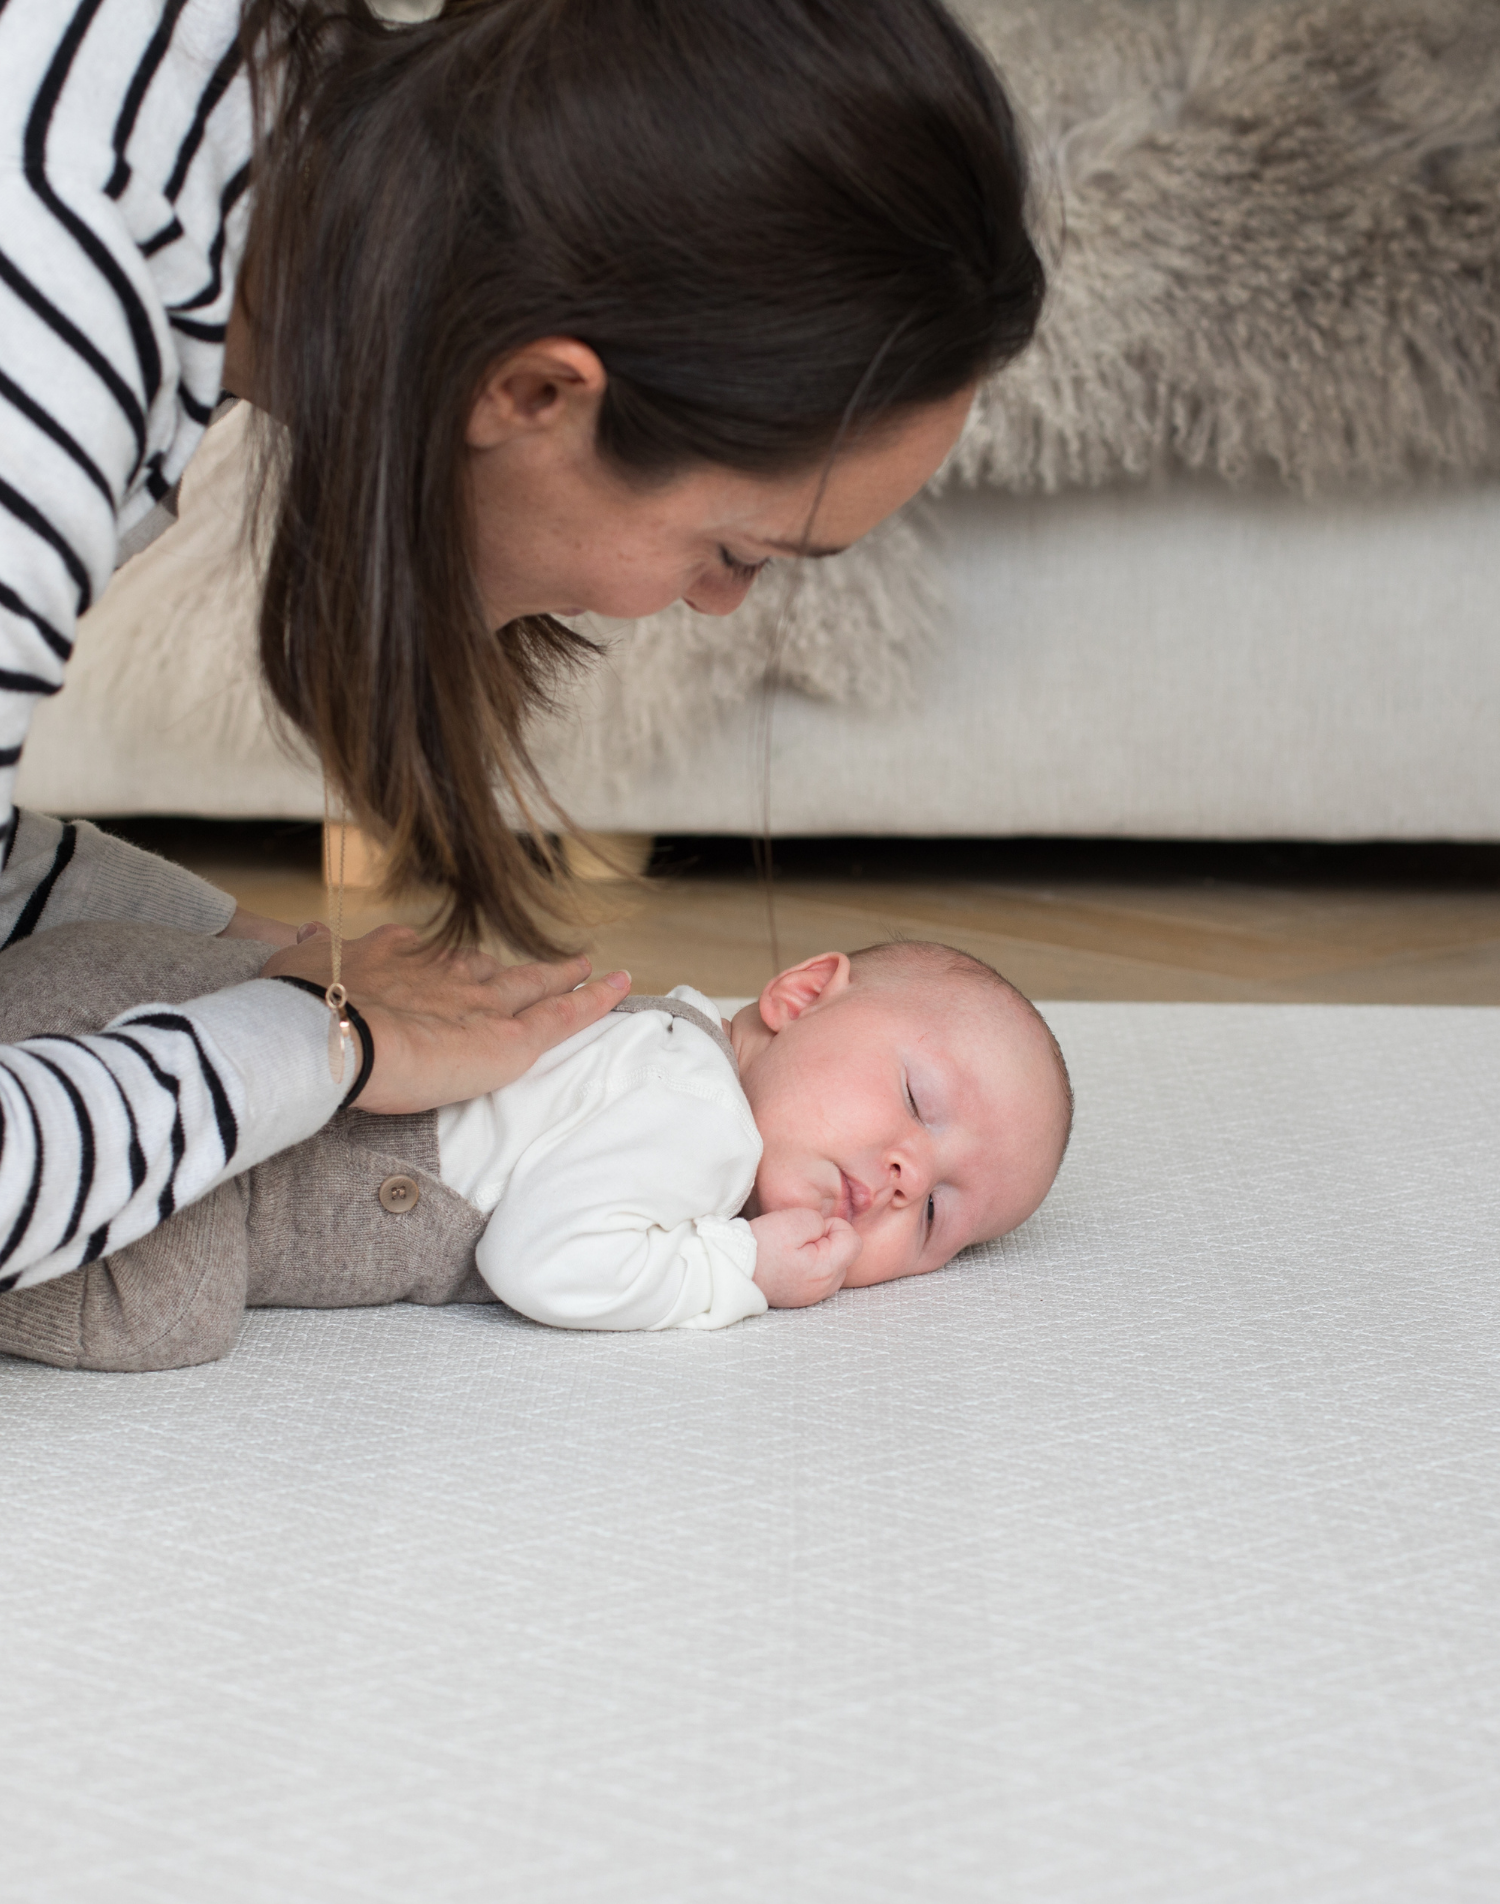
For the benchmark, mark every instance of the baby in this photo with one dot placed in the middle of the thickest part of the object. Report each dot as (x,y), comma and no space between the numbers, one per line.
(868,1117)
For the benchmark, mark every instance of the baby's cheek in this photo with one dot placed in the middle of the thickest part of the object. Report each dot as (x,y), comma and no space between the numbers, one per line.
(762,1199)
(774,1189)
(865,1274)
(883,1256)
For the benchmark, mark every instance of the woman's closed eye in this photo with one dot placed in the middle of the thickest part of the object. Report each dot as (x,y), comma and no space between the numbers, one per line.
(741,571)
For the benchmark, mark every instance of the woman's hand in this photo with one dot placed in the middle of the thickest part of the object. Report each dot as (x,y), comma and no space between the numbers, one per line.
(801,1257)
(449,1025)
(256,925)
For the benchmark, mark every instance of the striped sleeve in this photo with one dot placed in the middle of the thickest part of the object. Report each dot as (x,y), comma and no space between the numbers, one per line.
(124,142)
(103,1137)
(124,164)
(57,874)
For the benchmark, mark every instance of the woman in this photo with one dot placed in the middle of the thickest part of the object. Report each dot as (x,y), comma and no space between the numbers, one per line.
(563,305)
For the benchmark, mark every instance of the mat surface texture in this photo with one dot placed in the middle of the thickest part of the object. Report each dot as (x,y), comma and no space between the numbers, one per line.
(1151,1555)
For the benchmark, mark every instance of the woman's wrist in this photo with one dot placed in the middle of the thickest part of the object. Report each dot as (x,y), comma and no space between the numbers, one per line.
(356,1018)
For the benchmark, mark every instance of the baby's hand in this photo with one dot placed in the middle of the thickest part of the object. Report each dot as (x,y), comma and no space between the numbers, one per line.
(801,1257)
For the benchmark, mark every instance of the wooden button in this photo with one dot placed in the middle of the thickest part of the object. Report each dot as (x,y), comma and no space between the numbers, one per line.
(398,1195)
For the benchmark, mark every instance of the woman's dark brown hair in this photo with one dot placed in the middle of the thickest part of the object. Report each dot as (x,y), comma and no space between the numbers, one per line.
(775,221)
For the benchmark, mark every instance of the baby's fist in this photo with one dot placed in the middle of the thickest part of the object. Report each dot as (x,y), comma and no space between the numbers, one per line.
(801,1257)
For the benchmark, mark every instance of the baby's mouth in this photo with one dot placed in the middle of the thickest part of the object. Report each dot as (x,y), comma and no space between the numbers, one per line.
(854,1198)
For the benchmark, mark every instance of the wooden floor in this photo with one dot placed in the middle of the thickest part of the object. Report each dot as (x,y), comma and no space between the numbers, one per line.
(1062,919)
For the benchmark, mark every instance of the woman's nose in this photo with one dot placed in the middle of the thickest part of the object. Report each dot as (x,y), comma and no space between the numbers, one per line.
(717,592)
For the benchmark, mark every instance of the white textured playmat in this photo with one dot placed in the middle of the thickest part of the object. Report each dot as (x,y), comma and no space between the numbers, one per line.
(1153,1555)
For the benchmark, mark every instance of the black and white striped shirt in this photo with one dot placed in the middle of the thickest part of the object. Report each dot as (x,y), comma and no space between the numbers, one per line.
(125,138)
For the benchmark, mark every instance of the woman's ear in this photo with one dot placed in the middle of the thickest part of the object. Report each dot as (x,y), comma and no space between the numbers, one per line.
(800,987)
(535,388)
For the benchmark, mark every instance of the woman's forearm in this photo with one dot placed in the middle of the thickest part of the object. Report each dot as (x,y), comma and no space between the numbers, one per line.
(59,872)
(103,1136)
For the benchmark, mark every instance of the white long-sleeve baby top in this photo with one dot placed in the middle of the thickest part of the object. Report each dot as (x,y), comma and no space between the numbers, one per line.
(612,1174)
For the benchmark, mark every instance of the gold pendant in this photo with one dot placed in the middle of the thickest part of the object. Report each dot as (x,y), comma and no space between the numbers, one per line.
(339,1029)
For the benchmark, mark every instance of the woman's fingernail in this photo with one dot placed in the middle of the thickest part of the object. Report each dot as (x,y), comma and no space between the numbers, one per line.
(619,980)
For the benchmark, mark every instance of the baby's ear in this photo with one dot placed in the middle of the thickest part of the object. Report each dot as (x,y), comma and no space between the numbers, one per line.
(800,987)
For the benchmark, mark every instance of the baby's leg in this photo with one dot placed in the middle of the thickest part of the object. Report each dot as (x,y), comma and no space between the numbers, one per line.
(174,1297)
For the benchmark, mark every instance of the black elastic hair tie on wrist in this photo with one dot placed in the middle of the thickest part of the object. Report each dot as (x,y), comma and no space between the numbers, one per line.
(356,1018)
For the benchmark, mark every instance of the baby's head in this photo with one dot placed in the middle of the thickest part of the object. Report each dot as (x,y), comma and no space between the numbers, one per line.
(910,1089)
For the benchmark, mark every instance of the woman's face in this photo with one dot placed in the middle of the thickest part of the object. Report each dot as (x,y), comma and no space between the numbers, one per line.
(556,531)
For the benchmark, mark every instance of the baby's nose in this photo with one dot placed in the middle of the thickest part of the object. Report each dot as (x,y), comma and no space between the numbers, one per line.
(909,1178)
(914,1171)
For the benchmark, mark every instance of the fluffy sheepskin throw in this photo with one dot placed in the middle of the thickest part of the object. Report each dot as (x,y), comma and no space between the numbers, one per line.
(1273,231)
(1274,235)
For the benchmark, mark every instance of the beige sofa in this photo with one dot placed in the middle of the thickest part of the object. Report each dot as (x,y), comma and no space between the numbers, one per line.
(1186,665)
(1181,664)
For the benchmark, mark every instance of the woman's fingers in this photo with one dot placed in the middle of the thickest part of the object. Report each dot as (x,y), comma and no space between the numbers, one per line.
(552,1019)
(524,985)
(257,925)
(461,1042)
